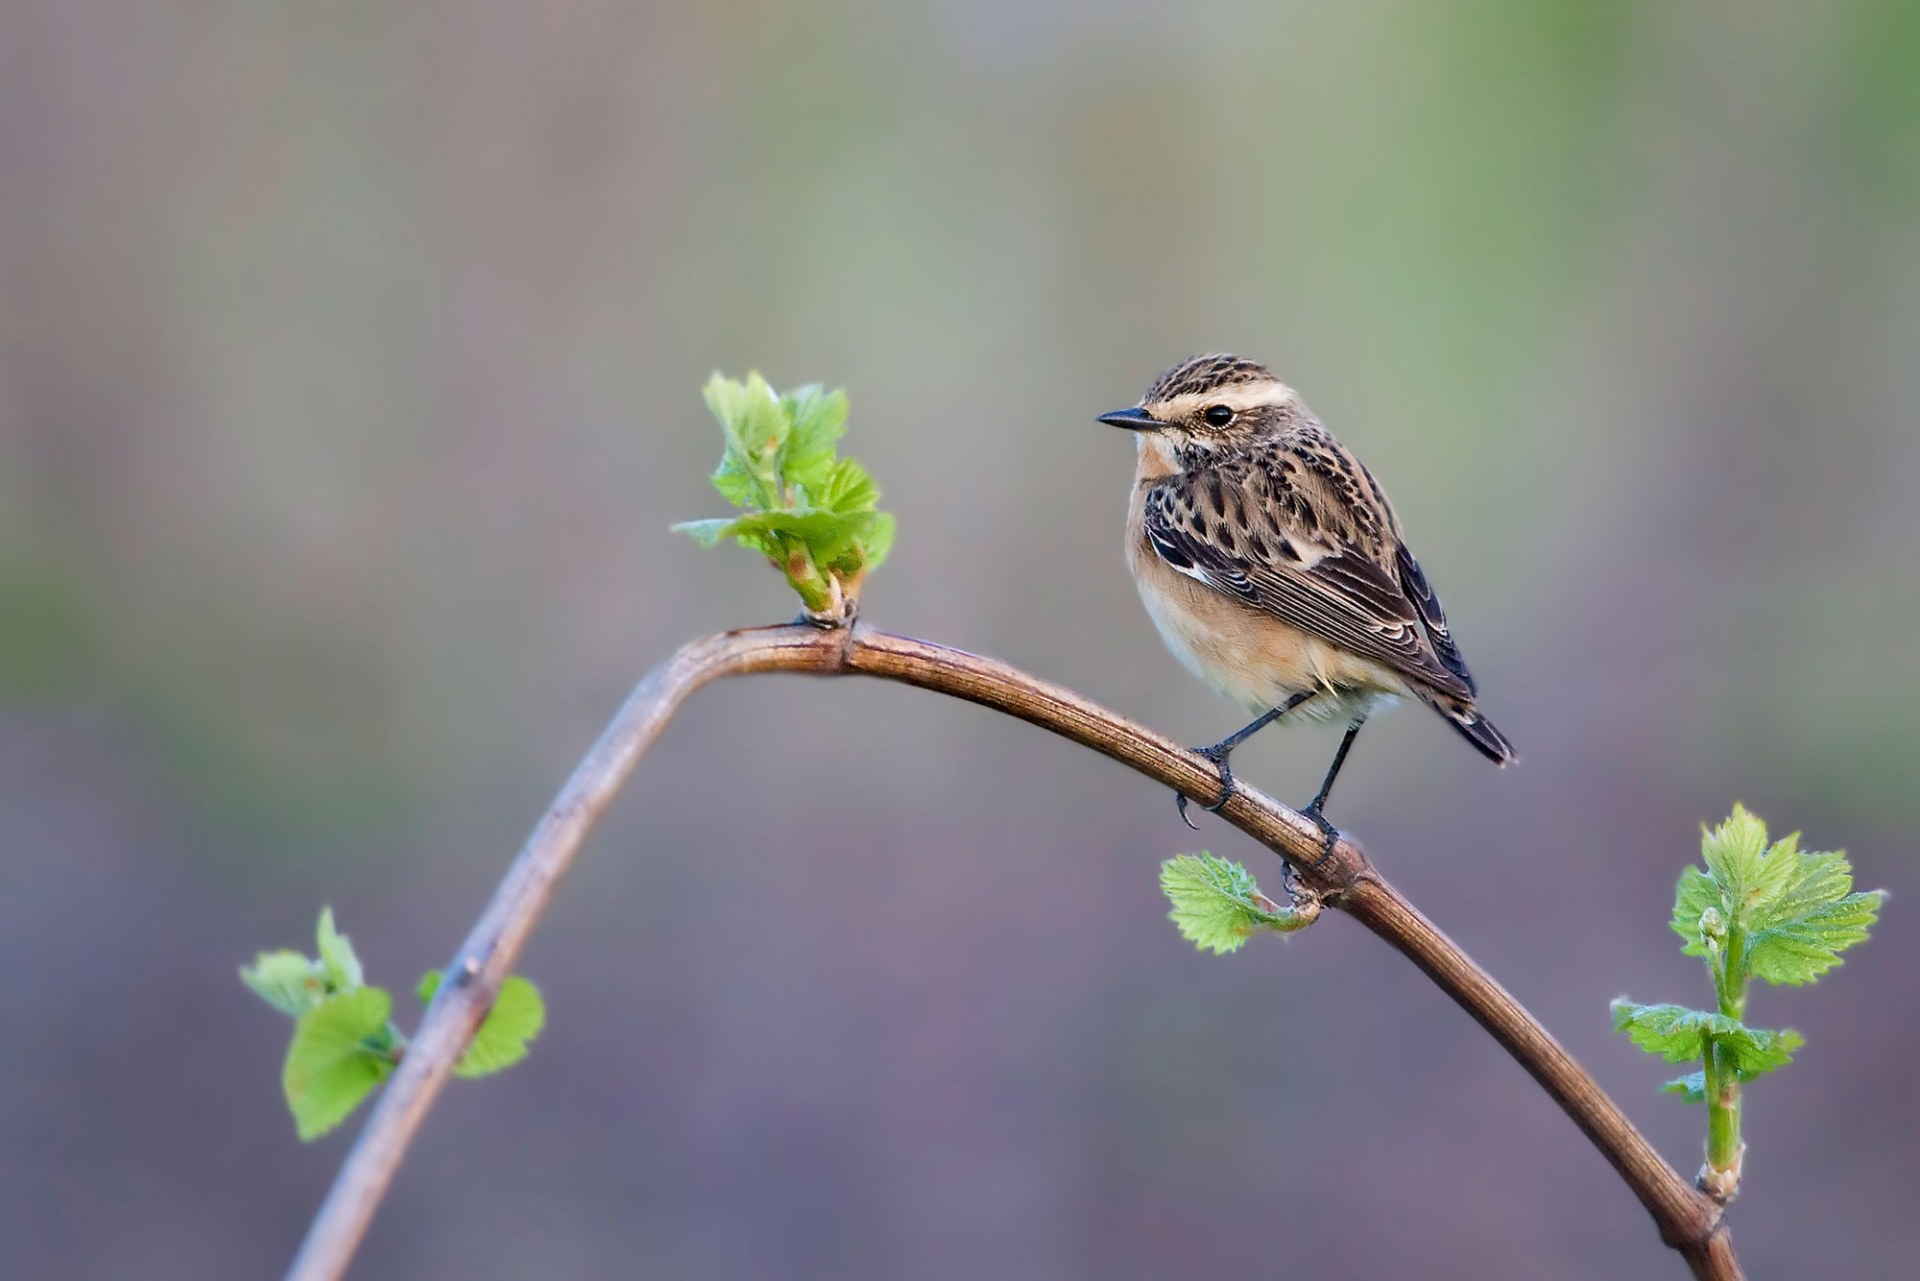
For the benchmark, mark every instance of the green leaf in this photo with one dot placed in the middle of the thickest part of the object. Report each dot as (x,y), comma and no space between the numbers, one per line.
(1680,1035)
(819,419)
(756,427)
(727,398)
(864,532)
(336,956)
(706,532)
(1674,1032)
(751,415)
(736,484)
(878,539)
(1760,1051)
(1798,934)
(848,488)
(741,529)
(1734,849)
(1217,906)
(1692,1087)
(1737,859)
(826,534)
(341,1050)
(517,1016)
(827,537)
(286,980)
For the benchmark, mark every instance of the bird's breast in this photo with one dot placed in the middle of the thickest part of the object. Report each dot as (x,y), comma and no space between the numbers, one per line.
(1248,655)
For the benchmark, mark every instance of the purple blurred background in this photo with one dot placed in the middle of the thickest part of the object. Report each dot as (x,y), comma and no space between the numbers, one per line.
(349,377)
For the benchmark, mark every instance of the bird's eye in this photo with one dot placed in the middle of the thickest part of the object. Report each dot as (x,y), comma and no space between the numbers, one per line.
(1218,415)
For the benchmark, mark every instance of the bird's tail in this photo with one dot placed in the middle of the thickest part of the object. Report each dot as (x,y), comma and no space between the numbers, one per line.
(1475,728)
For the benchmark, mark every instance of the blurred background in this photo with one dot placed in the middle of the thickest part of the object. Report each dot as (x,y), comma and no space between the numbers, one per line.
(350,360)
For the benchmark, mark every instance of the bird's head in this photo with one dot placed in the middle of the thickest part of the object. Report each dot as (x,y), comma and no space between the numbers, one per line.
(1207,407)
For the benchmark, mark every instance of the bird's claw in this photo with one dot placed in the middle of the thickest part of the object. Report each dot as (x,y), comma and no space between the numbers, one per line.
(1219,758)
(1328,830)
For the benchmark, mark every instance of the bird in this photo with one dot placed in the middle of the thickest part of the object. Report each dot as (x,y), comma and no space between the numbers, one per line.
(1275,569)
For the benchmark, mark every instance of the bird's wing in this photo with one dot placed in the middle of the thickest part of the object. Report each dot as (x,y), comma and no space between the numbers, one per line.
(1245,529)
(1413,580)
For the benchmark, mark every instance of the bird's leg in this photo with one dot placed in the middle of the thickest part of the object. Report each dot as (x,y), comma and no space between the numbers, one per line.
(1313,810)
(1219,752)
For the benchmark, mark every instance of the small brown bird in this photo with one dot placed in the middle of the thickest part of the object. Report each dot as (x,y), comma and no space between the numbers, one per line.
(1274,566)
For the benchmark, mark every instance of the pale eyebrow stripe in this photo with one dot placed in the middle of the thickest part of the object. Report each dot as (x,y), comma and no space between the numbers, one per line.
(1233,397)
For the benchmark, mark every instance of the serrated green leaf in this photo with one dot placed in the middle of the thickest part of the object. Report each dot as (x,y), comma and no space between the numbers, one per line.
(736,483)
(848,488)
(286,980)
(342,967)
(1736,858)
(1692,1087)
(750,414)
(819,419)
(877,541)
(1210,904)
(1798,933)
(517,1016)
(1216,904)
(1761,1050)
(1680,1035)
(756,429)
(1674,1032)
(1801,950)
(761,427)
(336,1058)
(1733,849)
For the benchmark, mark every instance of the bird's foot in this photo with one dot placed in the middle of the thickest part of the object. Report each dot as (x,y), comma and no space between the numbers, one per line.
(1312,814)
(1218,754)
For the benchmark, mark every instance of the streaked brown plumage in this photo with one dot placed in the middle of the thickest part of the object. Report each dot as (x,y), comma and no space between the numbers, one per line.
(1274,566)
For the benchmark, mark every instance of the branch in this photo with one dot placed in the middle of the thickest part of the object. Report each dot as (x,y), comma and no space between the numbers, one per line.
(1688,1221)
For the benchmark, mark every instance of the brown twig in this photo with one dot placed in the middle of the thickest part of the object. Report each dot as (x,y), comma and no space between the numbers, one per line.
(1344,878)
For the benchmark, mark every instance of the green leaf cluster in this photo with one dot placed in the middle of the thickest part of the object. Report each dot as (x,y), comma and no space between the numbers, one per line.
(294,983)
(1782,913)
(813,514)
(344,1040)
(1757,910)
(1217,906)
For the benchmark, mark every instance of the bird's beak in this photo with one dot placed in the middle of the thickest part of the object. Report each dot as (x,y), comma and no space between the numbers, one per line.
(1135,419)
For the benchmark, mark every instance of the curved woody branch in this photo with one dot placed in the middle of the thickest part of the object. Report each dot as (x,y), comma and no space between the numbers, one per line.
(1687,1220)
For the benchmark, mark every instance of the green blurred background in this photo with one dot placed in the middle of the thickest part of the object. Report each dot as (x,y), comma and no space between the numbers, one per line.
(350,360)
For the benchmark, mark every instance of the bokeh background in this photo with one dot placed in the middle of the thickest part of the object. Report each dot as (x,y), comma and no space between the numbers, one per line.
(350,360)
